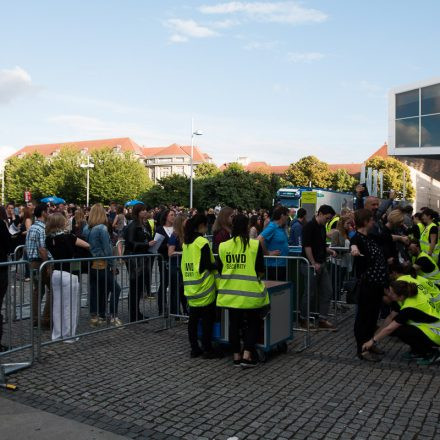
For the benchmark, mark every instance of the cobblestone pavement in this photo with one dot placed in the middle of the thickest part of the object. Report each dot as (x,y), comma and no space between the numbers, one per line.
(140,383)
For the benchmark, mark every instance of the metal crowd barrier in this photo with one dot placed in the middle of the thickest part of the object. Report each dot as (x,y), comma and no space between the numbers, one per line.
(16,325)
(60,282)
(287,270)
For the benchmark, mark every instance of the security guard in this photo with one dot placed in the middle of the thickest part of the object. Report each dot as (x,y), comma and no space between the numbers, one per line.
(424,264)
(199,271)
(416,323)
(425,286)
(241,290)
(429,239)
(331,225)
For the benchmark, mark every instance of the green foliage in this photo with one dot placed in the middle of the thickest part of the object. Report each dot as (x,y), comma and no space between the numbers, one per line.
(393,174)
(118,177)
(342,181)
(27,173)
(171,190)
(206,169)
(309,169)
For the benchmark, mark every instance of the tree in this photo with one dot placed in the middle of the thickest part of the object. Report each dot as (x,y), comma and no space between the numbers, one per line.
(171,190)
(206,169)
(309,169)
(118,177)
(342,181)
(393,171)
(27,173)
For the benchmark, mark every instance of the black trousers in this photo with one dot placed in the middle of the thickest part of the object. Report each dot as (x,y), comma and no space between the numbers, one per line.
(370,301)
(178,301)
(3,291)
(139,270)
(415,338)
(164,274)
(207,316)
(248,320)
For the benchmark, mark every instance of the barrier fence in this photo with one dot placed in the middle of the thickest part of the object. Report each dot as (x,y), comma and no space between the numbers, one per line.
(68,299)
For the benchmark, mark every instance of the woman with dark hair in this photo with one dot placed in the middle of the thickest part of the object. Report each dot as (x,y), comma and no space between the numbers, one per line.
(241,290)
(254,226)
(138,240)
(371,271)
(5,248)
(166,230)
(222,227)
(198,271)
(414,321)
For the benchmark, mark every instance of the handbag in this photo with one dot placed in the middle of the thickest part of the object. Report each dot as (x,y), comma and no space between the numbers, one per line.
(352,290)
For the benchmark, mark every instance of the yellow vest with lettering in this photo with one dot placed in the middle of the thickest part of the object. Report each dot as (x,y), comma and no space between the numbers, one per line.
(198,287)
(239,286)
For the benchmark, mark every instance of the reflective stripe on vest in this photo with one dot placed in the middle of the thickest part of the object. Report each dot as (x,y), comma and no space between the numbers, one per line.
(420,302)
(424,241)
(199,288)
(239,286)
(434,276)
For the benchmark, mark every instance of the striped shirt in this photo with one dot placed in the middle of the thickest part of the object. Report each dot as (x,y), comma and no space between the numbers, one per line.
(35,239)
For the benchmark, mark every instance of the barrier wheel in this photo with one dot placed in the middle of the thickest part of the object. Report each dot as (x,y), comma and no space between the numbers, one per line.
(282,347)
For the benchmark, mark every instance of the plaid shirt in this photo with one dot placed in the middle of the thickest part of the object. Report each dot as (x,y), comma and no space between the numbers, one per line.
(35,239)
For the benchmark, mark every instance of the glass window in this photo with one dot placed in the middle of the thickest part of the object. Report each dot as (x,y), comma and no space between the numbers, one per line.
(407,104)
(431,131)
(407,133)
(431,99)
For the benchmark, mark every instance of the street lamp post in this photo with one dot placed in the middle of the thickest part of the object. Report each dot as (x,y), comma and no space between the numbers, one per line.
(3,183)
(193,133)
(87,165)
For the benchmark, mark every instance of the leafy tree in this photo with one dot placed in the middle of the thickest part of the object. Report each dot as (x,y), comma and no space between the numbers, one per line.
(115,176)
(235,166)
(171,190)
(393,174)
(27,173)
(206,169)
(342,181)
(309,169)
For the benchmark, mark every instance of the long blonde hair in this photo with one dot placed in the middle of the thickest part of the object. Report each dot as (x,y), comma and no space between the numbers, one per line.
(55,223)
(97,215)
(178,226)
(222,220)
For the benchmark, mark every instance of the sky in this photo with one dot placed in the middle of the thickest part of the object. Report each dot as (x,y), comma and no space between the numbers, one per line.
(270,80)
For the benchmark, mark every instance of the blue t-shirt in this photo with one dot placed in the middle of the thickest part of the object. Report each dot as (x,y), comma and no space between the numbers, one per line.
(275,238)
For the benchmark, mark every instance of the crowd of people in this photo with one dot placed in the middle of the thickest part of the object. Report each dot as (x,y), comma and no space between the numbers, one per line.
(388,250)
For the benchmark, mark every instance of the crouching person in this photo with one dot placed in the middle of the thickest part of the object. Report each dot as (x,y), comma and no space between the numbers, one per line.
(198,270)
(414,321)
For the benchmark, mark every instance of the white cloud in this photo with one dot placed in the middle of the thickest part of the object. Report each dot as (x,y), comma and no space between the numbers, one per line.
(13,83)
(279,12)
(306,57)
(185,29)
(6,151)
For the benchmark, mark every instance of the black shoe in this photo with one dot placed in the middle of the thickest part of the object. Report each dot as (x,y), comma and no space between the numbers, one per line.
(248,363)
(196,352)
(237,362)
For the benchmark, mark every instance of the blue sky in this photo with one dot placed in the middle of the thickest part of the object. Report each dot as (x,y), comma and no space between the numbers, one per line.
(271,80)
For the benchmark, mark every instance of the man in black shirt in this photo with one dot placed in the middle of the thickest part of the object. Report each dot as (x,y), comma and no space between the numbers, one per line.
(316,251)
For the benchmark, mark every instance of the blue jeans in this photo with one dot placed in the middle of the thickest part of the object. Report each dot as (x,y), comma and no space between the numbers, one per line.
(103,283)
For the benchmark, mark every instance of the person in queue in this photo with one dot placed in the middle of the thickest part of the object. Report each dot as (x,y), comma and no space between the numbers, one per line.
(315,250)
(176,283)
(5,248)
(274,242)
(138,240)
(371,271)
(423,263)
(295,236)
(240,289)
(222,227)
(37,254)
(65,285)
(414,321)
(102,280)
(198,272)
